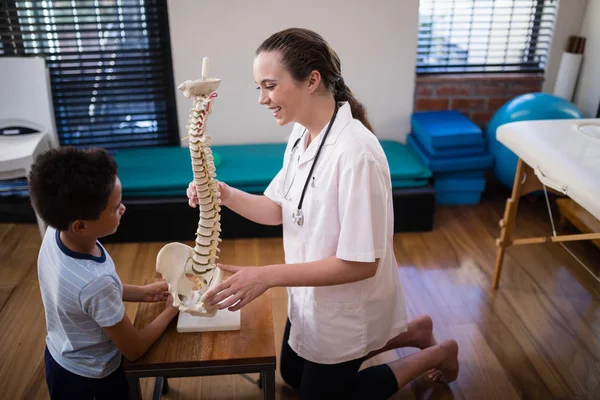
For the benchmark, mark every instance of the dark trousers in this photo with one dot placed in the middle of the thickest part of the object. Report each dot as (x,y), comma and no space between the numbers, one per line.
(65,385)
(335,381)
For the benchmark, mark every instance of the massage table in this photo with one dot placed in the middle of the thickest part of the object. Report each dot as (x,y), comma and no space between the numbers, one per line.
(561,156)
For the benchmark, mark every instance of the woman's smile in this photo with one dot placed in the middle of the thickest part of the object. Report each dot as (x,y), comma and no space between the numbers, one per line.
(275,110)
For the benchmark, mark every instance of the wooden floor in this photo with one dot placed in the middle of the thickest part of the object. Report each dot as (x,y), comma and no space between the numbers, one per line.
(538,337)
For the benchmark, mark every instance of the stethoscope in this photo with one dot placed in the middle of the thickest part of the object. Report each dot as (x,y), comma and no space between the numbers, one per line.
(298,216)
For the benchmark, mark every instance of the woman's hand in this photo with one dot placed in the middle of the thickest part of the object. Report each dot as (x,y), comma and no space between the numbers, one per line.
(192,195)
(157,291)
(245,285)
(224,189)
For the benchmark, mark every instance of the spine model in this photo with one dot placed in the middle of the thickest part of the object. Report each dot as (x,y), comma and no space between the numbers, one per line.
(209,228)
(202,269)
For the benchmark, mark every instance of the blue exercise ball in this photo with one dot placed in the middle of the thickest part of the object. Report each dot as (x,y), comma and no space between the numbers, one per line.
(526,107)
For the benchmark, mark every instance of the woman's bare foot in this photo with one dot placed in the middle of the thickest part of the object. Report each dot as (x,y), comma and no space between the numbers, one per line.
(418,334)
(424,339)
(447,371)
(423,332)
(443,357)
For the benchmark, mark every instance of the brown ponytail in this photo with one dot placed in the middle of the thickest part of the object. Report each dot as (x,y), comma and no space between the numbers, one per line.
(342,92)
(303,51)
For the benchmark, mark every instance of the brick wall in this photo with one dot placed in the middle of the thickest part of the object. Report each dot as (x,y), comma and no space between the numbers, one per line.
(478,96)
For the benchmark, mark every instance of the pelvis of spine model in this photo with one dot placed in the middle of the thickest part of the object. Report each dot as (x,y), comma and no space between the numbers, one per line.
(191,272)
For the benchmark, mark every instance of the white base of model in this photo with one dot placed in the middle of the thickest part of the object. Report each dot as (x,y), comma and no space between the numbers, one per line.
(224,320)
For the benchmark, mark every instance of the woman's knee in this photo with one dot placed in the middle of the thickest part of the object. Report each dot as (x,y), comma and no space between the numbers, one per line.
(291,364)
(290,372)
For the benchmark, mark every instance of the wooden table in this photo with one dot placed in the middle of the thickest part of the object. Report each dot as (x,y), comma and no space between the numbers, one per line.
(581,219)
(525,181)
(249,350)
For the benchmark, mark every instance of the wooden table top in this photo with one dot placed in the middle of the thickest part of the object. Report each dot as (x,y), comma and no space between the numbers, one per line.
(253,343)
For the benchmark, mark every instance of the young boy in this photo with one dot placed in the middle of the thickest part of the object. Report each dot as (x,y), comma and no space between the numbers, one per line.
(78,194)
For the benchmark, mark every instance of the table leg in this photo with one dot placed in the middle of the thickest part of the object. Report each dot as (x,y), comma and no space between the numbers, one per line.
(268,384)
(160,387)
(134,388)
(507,223)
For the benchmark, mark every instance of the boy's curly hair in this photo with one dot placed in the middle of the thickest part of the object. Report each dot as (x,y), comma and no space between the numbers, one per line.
(68,184)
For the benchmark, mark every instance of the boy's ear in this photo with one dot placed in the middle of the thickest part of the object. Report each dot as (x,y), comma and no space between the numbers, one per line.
(78,226)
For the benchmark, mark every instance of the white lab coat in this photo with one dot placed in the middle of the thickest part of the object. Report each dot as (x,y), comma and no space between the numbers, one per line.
(348,213)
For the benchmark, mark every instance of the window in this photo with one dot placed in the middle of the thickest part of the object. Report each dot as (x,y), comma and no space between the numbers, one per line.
(458,36)
(109,63)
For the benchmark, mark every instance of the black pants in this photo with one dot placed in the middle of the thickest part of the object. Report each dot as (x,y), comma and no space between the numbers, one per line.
(335,381)
(65,385)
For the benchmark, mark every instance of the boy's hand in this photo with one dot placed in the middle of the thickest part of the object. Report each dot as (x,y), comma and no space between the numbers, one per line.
(169,301)
(157,291)
(169,306)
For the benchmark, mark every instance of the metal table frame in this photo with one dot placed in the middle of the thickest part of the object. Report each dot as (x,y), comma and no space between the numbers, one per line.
(266,370)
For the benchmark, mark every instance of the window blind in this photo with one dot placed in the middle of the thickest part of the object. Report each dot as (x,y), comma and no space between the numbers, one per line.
(457,36)
(110,67)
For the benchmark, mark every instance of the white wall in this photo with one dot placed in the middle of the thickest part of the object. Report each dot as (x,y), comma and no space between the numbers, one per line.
(569,19)
(375,40)
(587,94)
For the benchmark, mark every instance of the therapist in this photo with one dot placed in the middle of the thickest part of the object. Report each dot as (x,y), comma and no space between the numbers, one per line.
(333,196)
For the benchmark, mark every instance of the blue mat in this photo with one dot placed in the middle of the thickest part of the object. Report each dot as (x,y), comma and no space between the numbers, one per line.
(476,173)
(450,152)
(442,129)
(166,171)
(457,198)
(465,163)
(406,168)
(459,184)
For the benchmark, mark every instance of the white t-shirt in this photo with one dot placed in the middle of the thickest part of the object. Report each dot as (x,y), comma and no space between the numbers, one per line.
(81,294)
(348,213)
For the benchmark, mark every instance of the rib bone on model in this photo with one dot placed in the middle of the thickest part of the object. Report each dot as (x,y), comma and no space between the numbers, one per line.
(201,267)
